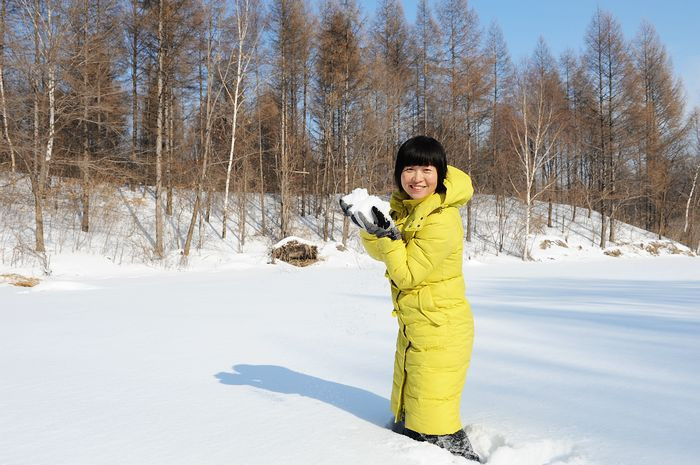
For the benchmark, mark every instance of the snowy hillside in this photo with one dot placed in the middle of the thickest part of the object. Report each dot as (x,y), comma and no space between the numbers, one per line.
(122,232)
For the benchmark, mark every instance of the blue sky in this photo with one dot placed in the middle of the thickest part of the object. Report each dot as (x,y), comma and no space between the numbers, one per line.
(563,25)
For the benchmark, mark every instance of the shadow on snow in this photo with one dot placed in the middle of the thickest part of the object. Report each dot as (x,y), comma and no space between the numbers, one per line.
(359,402)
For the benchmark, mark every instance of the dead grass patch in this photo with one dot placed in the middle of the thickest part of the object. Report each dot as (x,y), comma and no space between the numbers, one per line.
(19,280)
(545,244)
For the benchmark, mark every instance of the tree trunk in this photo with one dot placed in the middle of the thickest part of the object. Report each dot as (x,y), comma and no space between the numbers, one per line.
(205,142)
(242,20)
(85,220)
(346,157)
(528,212)
(3,102)
(159,135)
(690,198)
(235,97)
(283,169)
(37,179)
(169,153)
(134,83)
(242,202)
(260,145)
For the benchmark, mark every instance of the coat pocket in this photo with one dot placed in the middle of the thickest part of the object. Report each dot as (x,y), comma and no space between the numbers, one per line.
(427,308)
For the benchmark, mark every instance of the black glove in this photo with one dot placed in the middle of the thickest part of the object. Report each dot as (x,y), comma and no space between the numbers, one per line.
(346,211)
(380,226)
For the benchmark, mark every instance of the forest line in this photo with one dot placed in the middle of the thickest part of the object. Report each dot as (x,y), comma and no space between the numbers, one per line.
(250,97)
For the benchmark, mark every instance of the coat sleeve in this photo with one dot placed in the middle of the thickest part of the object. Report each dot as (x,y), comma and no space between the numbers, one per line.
(409,265)
(371,244)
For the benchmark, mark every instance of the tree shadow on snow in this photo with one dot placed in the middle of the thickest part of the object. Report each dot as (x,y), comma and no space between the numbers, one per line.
(363,404)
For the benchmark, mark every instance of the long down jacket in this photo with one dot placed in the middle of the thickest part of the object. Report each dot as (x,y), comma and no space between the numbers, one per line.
(436,329)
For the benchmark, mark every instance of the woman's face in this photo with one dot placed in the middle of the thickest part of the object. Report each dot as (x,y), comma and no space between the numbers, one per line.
(419,181)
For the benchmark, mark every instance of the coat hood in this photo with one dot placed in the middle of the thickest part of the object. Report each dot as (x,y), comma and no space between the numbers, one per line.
(458,187)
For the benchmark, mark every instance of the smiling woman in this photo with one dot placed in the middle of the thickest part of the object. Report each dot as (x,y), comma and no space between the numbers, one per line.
(424,266)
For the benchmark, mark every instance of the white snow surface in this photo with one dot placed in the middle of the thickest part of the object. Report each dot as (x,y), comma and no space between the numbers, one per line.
(361,201)
(289,239)
(575,362)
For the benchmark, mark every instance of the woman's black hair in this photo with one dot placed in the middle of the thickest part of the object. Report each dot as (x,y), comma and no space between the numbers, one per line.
(421,151)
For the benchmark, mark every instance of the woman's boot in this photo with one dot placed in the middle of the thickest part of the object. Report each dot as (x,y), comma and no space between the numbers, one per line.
(457,443)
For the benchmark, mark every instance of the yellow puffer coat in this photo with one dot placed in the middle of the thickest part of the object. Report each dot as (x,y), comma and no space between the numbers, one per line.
(436,329)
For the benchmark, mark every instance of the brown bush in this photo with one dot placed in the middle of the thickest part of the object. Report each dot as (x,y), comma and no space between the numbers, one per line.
(296,253)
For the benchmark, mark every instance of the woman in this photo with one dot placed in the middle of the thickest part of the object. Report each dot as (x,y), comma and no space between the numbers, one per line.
(423,257)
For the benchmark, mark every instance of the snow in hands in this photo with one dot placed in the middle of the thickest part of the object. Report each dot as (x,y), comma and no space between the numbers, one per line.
(360,201)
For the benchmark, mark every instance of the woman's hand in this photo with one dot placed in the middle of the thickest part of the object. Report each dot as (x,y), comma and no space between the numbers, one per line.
(380,226)
(346,211)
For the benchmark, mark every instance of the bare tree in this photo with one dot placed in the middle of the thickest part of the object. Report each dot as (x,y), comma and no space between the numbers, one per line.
(534,134)
(426,65)
(45,34)
(466,71)
(659,122)
(290,24)
(339,73)
(244,13)
(607,63)
(213,93)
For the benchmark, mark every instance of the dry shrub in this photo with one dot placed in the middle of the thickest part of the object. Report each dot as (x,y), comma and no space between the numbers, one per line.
(538,223)
(19,280)
(656,247)
(613,253)
(676,251)
(545,244)
(653,248)
(296,253)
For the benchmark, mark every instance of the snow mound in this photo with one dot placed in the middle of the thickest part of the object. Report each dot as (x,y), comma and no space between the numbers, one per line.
(494,449)
(497,449)
(289,239)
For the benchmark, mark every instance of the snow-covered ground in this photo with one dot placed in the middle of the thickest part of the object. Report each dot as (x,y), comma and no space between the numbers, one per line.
(575,362)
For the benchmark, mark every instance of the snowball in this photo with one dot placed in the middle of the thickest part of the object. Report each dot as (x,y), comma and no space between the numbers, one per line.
(360,201)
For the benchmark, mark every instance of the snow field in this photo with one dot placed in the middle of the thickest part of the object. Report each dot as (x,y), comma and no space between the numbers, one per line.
(591,362)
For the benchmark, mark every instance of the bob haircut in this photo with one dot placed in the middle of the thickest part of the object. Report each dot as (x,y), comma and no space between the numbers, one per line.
(422,151)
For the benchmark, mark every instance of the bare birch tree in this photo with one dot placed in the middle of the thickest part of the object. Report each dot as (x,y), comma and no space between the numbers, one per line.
(3,99)
(244,17)
(46,35)
(213,91)
(534,135)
